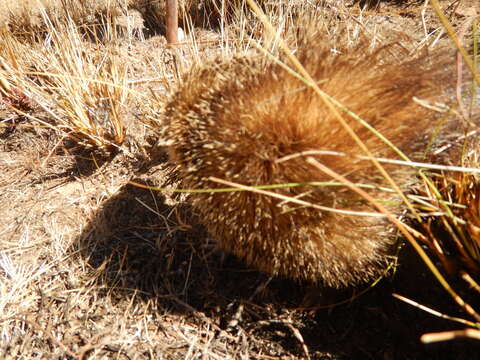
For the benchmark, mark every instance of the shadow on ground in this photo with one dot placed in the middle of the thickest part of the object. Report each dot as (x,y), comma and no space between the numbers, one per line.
(141,245)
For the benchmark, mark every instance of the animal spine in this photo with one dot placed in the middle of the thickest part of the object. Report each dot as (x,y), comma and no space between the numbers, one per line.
(234,119)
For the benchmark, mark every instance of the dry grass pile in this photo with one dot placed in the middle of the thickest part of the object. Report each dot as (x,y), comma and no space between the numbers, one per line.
(91,267)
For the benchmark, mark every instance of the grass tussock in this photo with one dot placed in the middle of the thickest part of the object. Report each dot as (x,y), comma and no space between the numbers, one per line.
(82,89)
(449,204)
(88,88)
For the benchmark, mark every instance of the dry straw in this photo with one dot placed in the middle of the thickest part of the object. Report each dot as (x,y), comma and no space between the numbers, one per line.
(84,92)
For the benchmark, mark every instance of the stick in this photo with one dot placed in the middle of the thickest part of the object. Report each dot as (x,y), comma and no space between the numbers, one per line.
(172,21)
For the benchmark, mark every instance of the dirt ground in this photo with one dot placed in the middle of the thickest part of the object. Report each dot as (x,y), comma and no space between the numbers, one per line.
(92,267)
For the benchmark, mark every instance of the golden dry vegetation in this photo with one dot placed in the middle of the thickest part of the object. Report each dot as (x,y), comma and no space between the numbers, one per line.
(94,267)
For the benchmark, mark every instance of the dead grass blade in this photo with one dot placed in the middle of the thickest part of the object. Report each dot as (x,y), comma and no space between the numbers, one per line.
(471,333)
(450,335)
(434,312)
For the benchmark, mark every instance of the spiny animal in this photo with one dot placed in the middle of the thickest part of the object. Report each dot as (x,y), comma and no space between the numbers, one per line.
(237,119)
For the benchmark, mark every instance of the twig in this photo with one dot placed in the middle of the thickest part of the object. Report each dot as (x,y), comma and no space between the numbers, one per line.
(172,21)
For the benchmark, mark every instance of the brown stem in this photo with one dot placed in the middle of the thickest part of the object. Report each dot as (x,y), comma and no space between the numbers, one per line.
(172,21)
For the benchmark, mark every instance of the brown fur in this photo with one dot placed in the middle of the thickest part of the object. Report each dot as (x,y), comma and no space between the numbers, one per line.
(236,118)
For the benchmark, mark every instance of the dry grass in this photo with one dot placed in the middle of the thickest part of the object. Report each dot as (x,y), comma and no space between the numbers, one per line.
(91,267)
(82,88)
(26,19)
(449,204)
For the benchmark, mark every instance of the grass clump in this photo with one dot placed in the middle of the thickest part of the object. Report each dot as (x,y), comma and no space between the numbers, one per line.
(450,229)
(83,90)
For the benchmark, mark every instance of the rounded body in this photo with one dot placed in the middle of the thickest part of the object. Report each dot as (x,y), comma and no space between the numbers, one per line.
(237,119)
